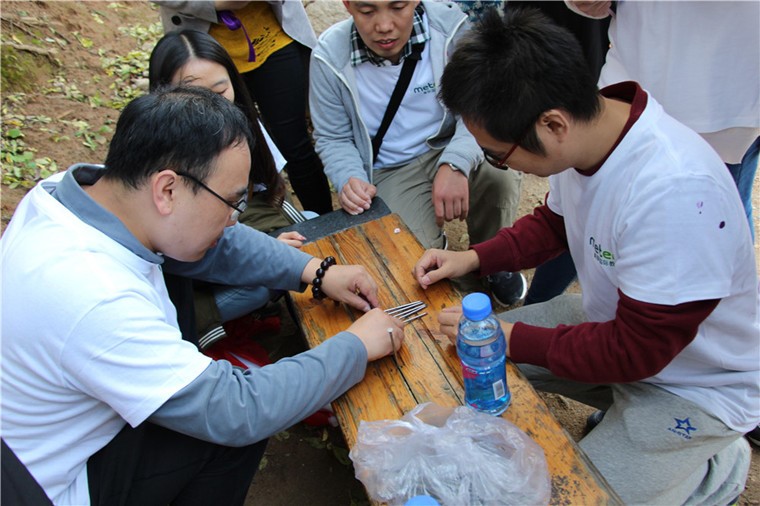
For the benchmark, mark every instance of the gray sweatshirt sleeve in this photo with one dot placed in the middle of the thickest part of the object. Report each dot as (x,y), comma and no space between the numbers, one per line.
(228,406)
(336,130)
(201,9)
(246,257)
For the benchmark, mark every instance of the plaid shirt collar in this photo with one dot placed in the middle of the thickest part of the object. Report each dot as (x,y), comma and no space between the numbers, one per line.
(360,53)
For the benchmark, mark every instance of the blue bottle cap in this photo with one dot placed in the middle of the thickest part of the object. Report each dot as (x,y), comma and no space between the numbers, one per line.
(422,500)
(476,306)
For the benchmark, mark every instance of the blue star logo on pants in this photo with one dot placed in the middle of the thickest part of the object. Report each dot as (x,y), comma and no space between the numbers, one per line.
(684,425)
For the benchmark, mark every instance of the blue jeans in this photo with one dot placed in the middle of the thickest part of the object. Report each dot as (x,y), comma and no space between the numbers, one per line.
(280,87)
(551,278)
(744,175)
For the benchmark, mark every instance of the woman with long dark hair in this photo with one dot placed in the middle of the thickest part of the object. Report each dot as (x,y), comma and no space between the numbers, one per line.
(194,58)
(269,43)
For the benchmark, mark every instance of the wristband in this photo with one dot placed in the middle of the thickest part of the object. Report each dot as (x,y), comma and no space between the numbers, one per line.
(316,284)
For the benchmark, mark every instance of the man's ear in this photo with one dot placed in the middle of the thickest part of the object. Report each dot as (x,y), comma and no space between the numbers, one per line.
(164,186)
(347,5)
(556,123)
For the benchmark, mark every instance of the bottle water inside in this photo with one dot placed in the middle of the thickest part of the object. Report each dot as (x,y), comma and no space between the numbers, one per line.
(482,351)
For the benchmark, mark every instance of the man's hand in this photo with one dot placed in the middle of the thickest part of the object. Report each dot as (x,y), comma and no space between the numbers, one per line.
(351,284)
(372,330)
(292,239)
(356,196)
(437,264)
(598,9)
(449,318)
(451,195)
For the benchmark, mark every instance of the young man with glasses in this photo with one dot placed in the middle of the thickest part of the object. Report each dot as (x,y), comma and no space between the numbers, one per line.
(102,400)
(665,334)
(428,168)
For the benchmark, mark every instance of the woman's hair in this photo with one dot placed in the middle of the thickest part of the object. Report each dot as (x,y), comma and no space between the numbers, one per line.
(172,52)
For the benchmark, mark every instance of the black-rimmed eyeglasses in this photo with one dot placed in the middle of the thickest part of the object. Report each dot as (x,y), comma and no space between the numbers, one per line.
(238,207)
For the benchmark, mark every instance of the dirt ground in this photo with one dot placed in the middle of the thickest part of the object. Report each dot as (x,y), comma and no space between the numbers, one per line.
(66,68)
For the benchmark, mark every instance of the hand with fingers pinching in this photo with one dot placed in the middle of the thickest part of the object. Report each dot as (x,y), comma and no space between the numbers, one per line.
(351,284)
(373,331)
(356,196)
(438,264)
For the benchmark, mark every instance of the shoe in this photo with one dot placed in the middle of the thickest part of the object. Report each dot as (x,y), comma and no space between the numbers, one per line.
(263,322)
(593,420)
(508,288)
(753,436)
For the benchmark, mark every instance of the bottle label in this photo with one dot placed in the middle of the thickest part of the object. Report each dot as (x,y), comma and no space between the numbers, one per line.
(498,389)
(468,372)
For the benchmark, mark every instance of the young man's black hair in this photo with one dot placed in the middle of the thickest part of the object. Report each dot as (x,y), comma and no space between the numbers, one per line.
(511,68)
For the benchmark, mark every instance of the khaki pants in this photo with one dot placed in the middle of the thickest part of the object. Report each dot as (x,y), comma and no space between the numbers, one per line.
(408,192)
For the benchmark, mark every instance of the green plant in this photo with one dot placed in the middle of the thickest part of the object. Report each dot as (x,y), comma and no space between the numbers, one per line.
(19,166)
(15,67)
(91,139)
(339,452)
(126,69)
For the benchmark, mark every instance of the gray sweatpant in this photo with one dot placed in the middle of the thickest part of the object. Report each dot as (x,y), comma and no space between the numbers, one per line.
(652,446)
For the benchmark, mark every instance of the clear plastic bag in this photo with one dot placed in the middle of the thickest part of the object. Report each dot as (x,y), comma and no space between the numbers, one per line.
(456,455)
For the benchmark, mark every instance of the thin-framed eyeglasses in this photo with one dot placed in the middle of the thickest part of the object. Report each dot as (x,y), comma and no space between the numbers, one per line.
(238,207)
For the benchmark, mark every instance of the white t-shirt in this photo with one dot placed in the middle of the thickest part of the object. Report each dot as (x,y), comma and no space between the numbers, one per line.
(700,60)
(418,117)
(662,221)
(102,308)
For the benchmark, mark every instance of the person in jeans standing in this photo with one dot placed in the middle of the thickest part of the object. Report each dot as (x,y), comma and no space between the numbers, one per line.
(270,43)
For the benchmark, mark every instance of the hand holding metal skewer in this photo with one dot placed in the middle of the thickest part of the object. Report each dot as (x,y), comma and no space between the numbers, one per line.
(405,313)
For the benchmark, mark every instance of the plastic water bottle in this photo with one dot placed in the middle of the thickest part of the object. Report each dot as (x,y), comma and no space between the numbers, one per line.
(482,350)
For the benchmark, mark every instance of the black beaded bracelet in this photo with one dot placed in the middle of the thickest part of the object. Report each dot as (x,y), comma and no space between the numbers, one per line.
(316,284)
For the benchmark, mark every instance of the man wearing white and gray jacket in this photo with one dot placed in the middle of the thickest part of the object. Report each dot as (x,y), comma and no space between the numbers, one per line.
(428,169)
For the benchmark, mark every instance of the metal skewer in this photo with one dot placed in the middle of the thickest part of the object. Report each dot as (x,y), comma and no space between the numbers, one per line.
(403,307)
(406,312)
(393,345)
(415,317)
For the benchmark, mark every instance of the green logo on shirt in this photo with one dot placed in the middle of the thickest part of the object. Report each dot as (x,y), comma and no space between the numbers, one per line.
(601,255)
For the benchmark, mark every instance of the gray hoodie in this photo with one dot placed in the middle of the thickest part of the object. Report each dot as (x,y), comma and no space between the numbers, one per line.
(342,140)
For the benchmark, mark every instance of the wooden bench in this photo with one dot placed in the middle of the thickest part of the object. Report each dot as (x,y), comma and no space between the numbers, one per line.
(428,366)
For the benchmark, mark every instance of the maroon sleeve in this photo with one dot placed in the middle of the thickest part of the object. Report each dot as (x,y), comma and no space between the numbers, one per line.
(531,241)
(641,340)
